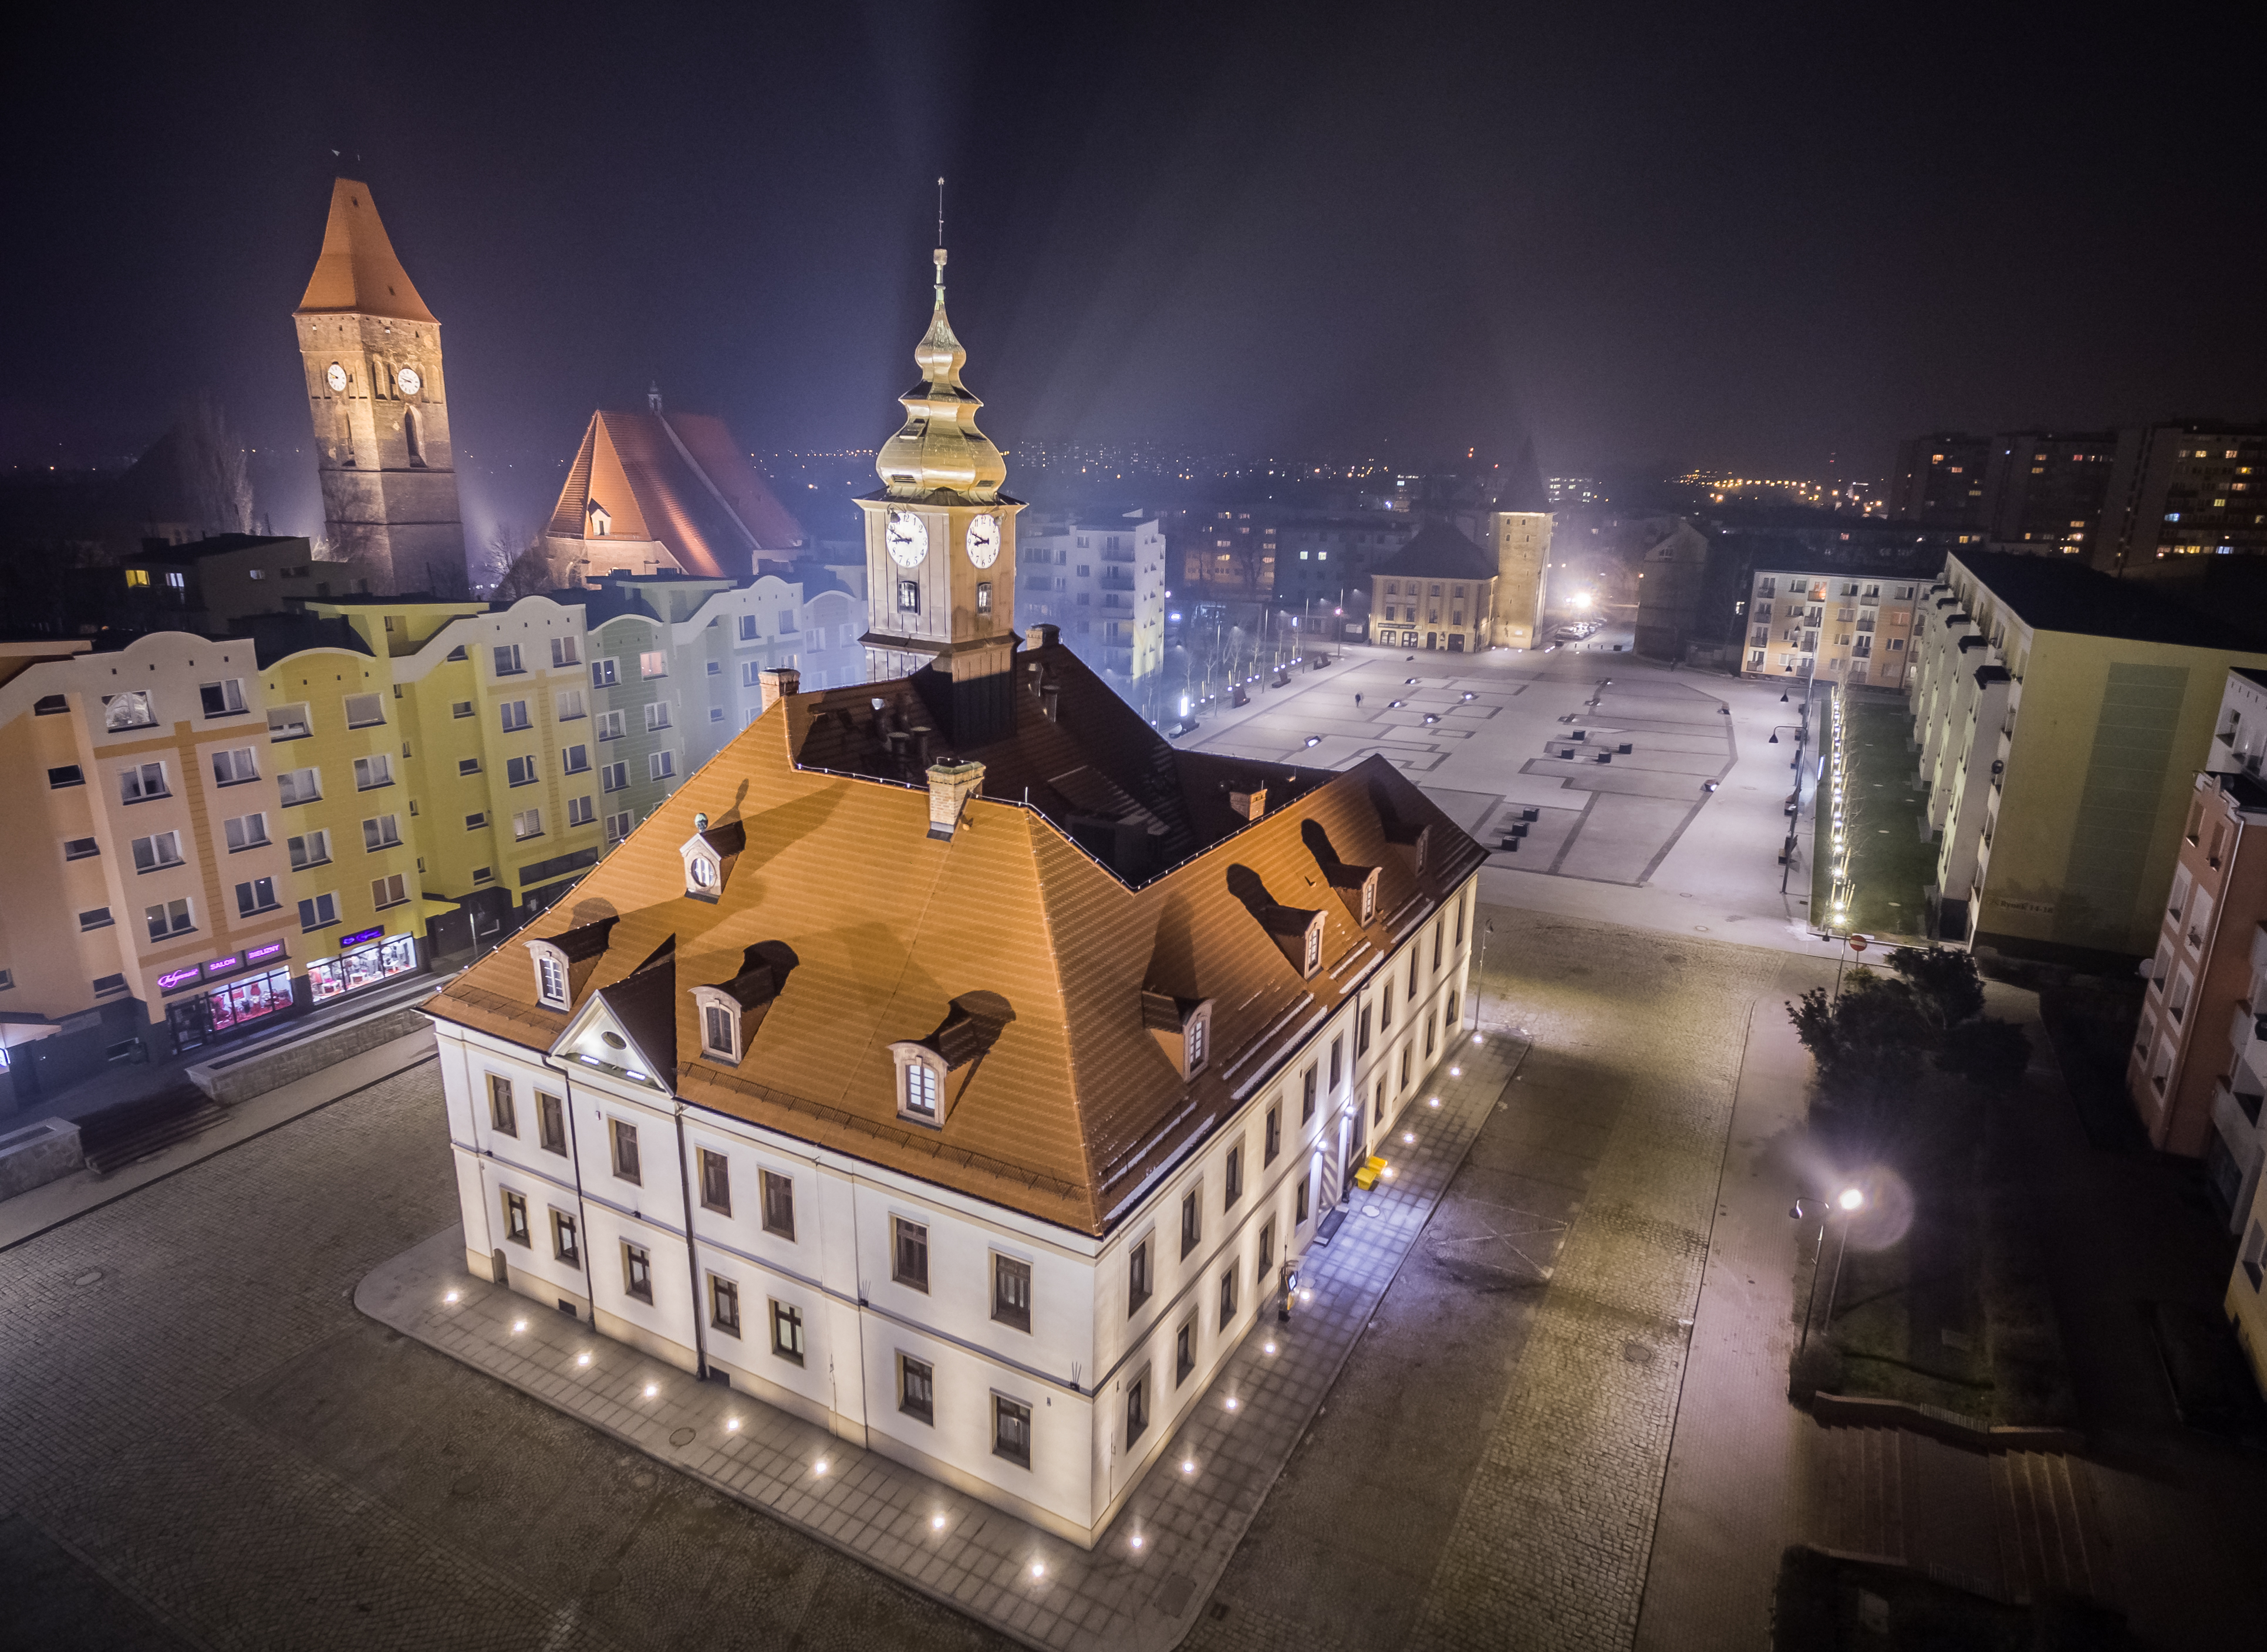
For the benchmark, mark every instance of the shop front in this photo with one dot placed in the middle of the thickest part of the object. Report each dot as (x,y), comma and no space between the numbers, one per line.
(363,961)
(226,996)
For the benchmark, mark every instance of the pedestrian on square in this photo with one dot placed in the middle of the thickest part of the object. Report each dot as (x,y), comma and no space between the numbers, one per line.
(1357,701)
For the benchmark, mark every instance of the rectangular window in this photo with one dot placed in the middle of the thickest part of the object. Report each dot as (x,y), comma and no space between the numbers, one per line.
(1337,1062)
(139,782)
(603,674)
(778,1199)
(1233,1180)
(1184,1351)
(716,1182)
(1299,1211)
(1192,1220)
(660,765)
(614,776)
(909,1252)
(1385,1008)
(1011,1292)
(156,850)
(569,703)
(222,699)
(169,918)
(610,724)
(1011,1429)
(1407,1055)
(460,708)
(95,917)
(637,1271)
(365,711)
(254,896)
(1267,1250)
(551,1123)
(310,848)
(1274,1136)
(515,1220)
(618,826)
(723,1299)
(300,785)
(748,632)
(581,811)
(909,596)
(1227,1299)
(245,831)
(562,651)
(381,831)
(1362,1032)
(67,774)
(1137,1277)
(508,661)
(1137,1408)
(657,716)
(1439,924)
(85,848)
(566,1243)
(624,1136)
(916,1388)
(467,766)
(1306,1095)
(521,772)
(372,772)
(514,714)
(527,823)
(391,890)
(289,722)
(786,1332)
(234,766)
(502,1113)
(575,759)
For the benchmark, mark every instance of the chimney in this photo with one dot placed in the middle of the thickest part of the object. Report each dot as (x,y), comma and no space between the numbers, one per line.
(778,684)
(1249,800)
(1045,636)
(951,786)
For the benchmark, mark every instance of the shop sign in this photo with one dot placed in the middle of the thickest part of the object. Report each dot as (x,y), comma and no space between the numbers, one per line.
(361,936)
(174,980)
(222,966)
(261,954)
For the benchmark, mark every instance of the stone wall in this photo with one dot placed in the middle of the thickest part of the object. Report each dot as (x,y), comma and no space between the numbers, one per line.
(231,1083)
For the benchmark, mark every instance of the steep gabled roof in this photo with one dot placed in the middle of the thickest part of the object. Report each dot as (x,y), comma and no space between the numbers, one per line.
(1438,552)
(357,272)
(678,478)
(1071,1109)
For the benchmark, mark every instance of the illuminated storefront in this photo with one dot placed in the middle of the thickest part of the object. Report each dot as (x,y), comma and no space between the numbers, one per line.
(363,961)
(228,995)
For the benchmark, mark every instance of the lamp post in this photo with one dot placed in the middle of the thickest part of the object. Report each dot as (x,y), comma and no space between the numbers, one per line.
(1848,1202)
(1481,988)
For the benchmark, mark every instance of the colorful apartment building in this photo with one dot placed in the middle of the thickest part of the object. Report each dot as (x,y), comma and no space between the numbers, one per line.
(1844,626)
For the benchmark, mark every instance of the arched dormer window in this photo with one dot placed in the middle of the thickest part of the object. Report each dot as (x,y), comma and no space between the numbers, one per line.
(920,1084)
(709,855)
(551,979)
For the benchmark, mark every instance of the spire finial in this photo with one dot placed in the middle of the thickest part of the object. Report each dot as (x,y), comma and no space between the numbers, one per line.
(940,241)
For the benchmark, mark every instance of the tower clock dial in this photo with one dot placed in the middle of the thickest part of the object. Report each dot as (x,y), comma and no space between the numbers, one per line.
(984,540)
(335,376)
(410,383)
(908,539)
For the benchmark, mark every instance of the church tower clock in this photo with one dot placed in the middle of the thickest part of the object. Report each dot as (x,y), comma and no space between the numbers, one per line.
(380,405)
(941,548)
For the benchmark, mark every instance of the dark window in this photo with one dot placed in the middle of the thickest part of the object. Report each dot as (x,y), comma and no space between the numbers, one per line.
(1011,1292)
(1306,1095)
(1385,1008)
(1227,1298)
(515,1220)
(637,1272)
(1377,1111)
(1011,1430)
(68,774)
(1184,1352)
(786,1332)
(1299,1216)
(1267,1249)
(909,1254)
(1461,905)
(1337,1062)
(917,1389)
(716,1182)
(908,597)
(724,1305)
(1438,926)
(1137,1277)
(1274,1136)
(1192,1220)
(563,1242)
(779,1202)
(1362,1033)
(626,1149)
(551,1123)
(1234,1177)
(501,1113)
(1137,1407)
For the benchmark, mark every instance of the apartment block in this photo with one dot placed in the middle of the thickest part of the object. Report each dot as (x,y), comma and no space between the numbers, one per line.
(2186,489)
(1100,581)
(1844,626)
(1937,480)
(2059,715)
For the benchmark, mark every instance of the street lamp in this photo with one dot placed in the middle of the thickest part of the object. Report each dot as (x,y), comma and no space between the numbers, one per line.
(1846,1204)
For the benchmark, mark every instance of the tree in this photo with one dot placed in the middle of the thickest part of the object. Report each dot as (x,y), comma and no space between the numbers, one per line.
(1869,1038)
(532,572)
(1947,987)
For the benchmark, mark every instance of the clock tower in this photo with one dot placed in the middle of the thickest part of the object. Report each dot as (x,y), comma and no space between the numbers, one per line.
(940,549)
(380,405)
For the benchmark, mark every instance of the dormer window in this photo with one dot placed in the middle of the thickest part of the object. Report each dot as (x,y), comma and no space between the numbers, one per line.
(720,1032)
(1182,1028)
(601,523)
(703,871)
(919,1085)
(1198,1027)
(1313,959)
(551,980)
(709,855)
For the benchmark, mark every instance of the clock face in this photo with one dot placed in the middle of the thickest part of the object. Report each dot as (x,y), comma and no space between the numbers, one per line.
(908,539)
(409,381)
(984,540)
(335,376)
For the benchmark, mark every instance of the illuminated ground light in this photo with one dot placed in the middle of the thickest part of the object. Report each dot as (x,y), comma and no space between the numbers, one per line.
(1133,1542)
(1268,1347)
(1039,1568)
(449,1297)
(1456,1072)
(937,1522)
(1387,1173)
(1479,1039)
(651,1389)
(1188,1465)
(581,1359)
(1408,1136)
(1306,1296)
(819,1467)
(517,1325)
(1233,1402)
(731,1425)
(1434,1102)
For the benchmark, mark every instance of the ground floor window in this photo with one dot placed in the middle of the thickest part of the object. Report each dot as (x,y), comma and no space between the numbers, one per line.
(637,1272)
(1137,1407)
(786,1332)
(363,966)
(724,1305)
(917,1388)
(1011,1429)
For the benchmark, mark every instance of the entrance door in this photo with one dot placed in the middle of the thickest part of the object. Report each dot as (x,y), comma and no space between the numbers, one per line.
(1432,638)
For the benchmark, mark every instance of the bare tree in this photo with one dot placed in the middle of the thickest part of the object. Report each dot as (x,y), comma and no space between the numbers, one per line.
(214,469)
(533,571)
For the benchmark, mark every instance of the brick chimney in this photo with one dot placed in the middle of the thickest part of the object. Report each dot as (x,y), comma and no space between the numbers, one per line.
(1249,800)
(776,684)
(950,787)
(1043,636)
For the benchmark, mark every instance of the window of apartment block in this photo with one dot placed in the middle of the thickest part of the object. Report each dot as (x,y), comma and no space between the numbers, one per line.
(1011,1429)
(1430,1030)
(1274,1142)
(1137,1277)
(245,831)
(1137,1407)
(653,663)
(318,911)
(569,703)
(381,831)
(372,772)
(508,660)
(565,1242)
(1192,1219)
(309,848)
(234,766)
(1227,1299)
(716,1182)
(562,651)
(255,895)
(1307,1095)
(501,1113)
(1184,1351)
(222,699)
(660,765)
(67,774)
(551,1123)
(917,1388)
(575,759)
(1232,1177)
(624,1138)
(521,771)
(909,1252)
(723,1305)
(139,782)
(365,711)
(637,1272)
(526,824)
(1011,1292)
(515,1220)
(786,1332)
(614,776)
(605,673)
(170,918)
(161,849)
(778,1199)
(1267,1250)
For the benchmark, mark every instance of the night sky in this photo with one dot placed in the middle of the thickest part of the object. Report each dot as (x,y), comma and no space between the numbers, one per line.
(1653,239)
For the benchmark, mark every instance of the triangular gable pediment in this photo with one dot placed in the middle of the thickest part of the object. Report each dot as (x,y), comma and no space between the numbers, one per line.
(597,1039)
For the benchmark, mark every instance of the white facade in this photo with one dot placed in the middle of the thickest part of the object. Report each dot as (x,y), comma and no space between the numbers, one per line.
(1101,582)
(1097,1352)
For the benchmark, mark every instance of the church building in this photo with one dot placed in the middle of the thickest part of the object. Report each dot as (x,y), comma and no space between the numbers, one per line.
(379,401)
(950,1060)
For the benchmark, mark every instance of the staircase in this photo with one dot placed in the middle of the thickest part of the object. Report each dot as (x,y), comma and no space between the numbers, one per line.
(120,1135)
(2049,1531)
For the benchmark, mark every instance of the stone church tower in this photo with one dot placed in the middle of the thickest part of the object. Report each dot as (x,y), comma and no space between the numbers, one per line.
(380,403)
(941,546)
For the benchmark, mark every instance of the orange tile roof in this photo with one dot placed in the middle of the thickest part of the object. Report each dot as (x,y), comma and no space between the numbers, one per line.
(1075,1109)
(679,478)
(357,272)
